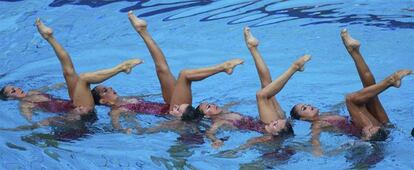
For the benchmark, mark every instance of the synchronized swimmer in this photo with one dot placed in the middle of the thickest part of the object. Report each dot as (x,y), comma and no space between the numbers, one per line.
(81,104)
(368,118)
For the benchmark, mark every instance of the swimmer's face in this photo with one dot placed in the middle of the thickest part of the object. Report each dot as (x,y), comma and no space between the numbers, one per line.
(210,109)
(107,94)
(368,132)
(306,111)
(275,126)
(13,92)
(178,109)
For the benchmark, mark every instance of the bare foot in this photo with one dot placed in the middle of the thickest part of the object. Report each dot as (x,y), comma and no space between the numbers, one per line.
(139,24)
(350,43)
(251,41)
(395,79)
(45,31)
(229,65)
(299,63)
(126,66)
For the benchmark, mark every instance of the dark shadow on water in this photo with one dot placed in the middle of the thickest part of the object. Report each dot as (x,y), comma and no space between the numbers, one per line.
(361,154)
(273,154)
(190,137)
(90,3)
(253,13)
(365,156)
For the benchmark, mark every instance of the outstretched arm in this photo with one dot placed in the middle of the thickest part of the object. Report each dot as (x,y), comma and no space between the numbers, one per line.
(57,120)
(114,114)
(211,134)
(316,144)
(44,89)
(26,109)
(163,126)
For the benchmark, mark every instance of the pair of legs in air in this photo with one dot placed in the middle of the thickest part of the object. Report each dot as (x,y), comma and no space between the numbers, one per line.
(272,118)
(364,105)
(79,85)
(269,108)
(177,92)
(365,109)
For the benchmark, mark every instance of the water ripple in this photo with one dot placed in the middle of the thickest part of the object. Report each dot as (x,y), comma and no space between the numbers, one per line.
(257,13)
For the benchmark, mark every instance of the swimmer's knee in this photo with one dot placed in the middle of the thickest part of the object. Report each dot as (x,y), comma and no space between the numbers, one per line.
(260,95)
(162,69)
(350,98)
(69,72)
(184,74)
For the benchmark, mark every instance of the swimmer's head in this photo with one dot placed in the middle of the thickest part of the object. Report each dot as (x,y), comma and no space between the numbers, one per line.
(304,112)
(281,127)
(11,92)
(186,112)
(103,95)
(374,133)
(209,109)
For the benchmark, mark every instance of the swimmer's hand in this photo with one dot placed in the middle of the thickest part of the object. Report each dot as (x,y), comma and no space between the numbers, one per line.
(217,143)
(127,131)
(317,151)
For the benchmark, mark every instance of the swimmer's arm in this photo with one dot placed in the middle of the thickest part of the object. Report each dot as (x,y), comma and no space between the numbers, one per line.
(45,122)
(249,144)
(114,114)
(167,125)
(256,140)
(211,134)
(56,86)
(316,145)
(26,109)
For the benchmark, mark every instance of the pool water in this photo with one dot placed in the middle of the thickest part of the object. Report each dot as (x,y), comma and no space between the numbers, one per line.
(192,34)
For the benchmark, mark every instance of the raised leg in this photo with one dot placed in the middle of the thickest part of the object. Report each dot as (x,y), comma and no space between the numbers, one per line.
(182,91)
(166,78)
(356,101)
(83,96)
(261,67)
(374,106)
(266,111)
(69,72)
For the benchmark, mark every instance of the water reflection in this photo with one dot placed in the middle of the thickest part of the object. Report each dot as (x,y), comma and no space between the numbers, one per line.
(364,156)
(254,13)
(190,137)
(273,153)
(361,154)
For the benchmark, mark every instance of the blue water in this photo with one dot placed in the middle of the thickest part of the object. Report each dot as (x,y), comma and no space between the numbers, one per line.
(193,34)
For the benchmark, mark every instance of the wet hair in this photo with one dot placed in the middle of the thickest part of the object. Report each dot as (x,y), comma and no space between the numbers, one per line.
(3,95)
(412,132)
(199,109)
(380,135)
(294,114)
(96,96)
(287,131)
(191,114)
